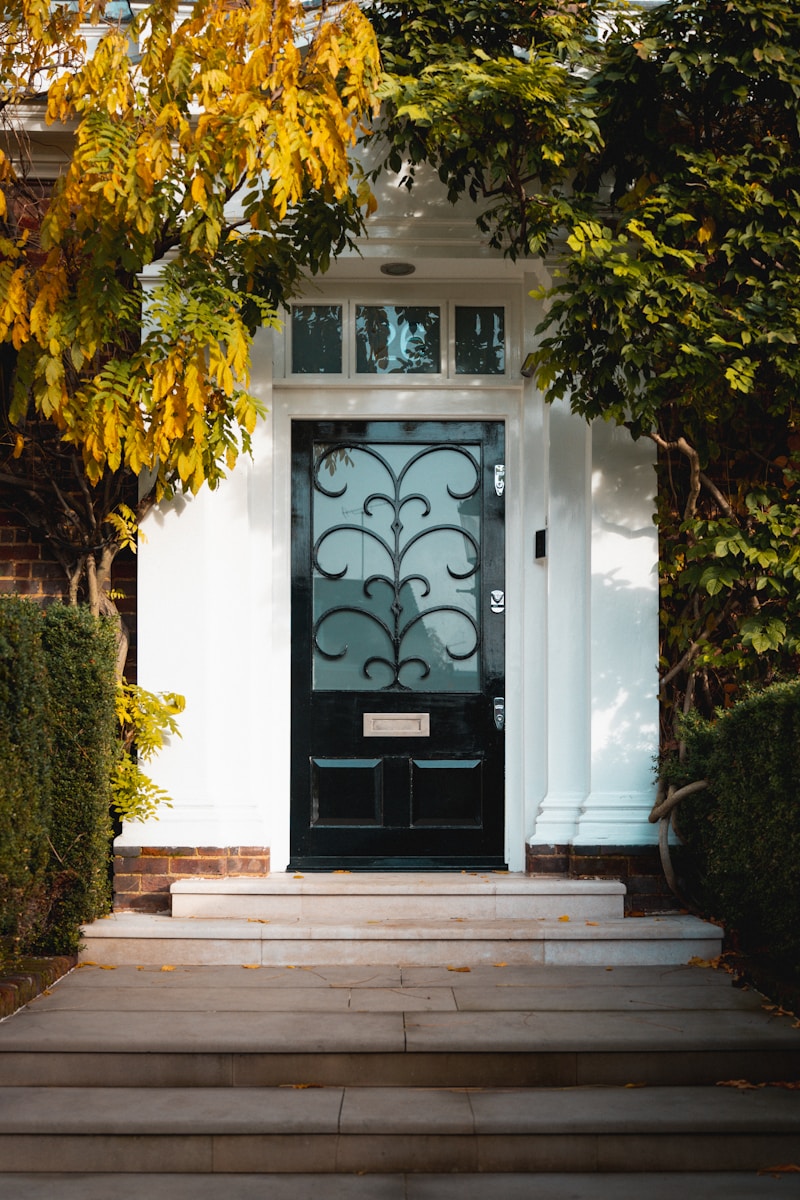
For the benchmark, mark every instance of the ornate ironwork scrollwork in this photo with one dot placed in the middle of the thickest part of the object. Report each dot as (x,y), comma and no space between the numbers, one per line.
(395,624)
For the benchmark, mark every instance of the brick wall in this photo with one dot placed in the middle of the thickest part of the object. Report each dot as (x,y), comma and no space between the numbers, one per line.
(143,874)
(638,867)
(27,570)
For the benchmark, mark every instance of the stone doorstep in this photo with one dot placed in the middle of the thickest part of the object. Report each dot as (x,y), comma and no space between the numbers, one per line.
(365,896)
(463,883)
(157,939)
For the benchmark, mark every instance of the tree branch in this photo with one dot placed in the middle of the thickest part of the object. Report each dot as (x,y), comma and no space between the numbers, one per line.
(662,808)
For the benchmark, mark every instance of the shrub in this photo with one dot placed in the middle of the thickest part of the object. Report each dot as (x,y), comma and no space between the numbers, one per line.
(24,775)
(743,833)
(80,654)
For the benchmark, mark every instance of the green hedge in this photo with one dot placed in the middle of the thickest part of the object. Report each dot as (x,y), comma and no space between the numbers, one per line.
(58,746)
(743,833)
(80,653)
(24,775)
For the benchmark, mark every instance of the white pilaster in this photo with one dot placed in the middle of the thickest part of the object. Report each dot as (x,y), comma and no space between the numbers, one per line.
(567,688)
(624,642)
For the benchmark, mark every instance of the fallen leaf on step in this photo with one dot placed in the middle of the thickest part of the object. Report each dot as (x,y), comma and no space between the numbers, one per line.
(460,969)
(744,1085)
(299,1087)
(456,918)
(609,968)
(251,966)
(298,877)
(790,1085)
(86,963)
(257,921)
(291,967)
(592,922)
(167,968)
(785,1169)
(704,962)
(563,918)
(777,1009)
(633,1085)
(339,872)
(140,968)
(499,964)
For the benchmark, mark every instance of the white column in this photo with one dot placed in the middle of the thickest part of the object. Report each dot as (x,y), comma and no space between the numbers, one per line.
(624,642)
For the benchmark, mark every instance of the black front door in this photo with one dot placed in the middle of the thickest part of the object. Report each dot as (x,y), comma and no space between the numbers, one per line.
(397,645)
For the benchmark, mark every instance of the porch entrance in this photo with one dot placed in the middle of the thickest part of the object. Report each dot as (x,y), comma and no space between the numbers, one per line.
(397,645)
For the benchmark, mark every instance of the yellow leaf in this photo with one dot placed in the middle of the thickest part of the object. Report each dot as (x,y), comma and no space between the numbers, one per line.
(635,1085)
(86,964)
(563,918)
(106,967)
(706,230)
(19,445)
(592,922)
(199,191)
(167,968)
(499,964)
(251,966)
(460,970)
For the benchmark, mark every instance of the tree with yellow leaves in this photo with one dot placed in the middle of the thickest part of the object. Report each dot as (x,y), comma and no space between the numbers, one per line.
(214,139)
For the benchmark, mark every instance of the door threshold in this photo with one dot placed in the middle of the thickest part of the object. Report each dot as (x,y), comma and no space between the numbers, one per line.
(453,865)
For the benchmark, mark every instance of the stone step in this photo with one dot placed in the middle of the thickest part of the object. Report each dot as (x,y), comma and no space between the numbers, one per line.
(157,939)
(557,1027)
(336,1130)
(360,897)
(703,1185)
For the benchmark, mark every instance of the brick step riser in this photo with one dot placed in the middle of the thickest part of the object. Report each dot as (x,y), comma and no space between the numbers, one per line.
(453,1069)
(382,1153)
(397,908)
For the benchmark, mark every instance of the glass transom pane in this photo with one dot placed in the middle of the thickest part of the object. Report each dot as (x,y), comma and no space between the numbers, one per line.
(480,340)
(396,568)
(396,339)
(317,339)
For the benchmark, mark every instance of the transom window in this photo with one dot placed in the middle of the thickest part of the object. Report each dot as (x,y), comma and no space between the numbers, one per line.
(361,339)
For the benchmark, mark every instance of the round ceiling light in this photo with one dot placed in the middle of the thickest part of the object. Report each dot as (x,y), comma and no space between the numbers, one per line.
(397,269)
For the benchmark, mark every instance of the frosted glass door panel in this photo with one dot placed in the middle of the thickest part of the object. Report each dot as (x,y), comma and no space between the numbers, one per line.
(396,568)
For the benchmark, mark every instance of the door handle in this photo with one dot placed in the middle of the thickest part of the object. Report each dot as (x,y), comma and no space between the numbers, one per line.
(499,708)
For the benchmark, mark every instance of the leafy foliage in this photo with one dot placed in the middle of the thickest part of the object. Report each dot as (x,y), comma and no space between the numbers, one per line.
(485,93)
(743,833)
(222,143)
(145,720)
(677,314)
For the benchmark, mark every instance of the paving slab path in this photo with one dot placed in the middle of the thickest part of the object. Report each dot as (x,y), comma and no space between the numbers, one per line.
(399,1083)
